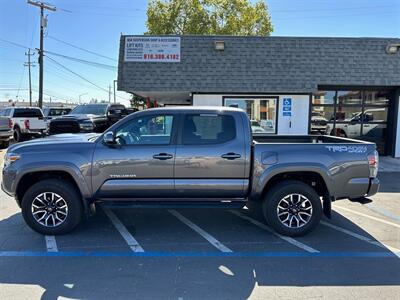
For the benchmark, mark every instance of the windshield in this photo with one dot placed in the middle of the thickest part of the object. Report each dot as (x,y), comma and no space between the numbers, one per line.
(90,109)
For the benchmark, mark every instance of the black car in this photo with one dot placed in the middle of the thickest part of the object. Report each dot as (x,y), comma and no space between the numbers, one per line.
(88,118)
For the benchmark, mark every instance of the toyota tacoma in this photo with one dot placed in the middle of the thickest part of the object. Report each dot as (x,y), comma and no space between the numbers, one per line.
(198,156)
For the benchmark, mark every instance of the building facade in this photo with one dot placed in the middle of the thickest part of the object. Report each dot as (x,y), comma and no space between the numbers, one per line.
(288,85)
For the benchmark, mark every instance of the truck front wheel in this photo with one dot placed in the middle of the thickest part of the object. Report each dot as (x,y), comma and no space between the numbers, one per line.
(52,207)
(292,208)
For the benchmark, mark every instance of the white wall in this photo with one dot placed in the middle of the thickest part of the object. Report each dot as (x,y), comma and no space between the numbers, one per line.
(207,100)
(297,123)
(397,146)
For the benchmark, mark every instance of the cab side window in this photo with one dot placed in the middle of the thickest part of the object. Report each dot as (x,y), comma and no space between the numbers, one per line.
(203,129)
(146,130)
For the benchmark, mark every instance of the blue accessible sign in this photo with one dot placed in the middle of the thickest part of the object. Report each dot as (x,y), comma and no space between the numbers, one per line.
(287,107)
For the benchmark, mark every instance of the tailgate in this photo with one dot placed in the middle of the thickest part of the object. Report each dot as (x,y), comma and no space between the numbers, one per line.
(36,124)
(4,124)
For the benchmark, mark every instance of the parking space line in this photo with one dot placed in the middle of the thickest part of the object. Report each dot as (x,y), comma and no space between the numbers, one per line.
(217,244)
(285,238)
(51,243)
(395,250)
(126,235)
(271,254)
(382,211)
(368,216)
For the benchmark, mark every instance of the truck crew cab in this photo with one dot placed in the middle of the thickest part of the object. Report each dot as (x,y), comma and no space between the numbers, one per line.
(196,155)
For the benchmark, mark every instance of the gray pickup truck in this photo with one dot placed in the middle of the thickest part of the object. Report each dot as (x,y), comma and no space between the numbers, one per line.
(198,156)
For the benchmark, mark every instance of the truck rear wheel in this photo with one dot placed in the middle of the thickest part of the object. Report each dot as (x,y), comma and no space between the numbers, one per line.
(292,208)
(52,207)
(18,136)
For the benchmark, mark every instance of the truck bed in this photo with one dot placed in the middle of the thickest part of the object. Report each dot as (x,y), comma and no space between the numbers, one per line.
(303,139)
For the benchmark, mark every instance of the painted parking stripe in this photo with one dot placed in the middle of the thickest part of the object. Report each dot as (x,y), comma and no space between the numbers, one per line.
(213,241)
(394,250)
(126,235)
(51,243)
(383,211)
(285,238)
(368,216)
(296,254)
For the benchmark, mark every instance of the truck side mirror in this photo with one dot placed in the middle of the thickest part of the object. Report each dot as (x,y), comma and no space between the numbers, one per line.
(108,138)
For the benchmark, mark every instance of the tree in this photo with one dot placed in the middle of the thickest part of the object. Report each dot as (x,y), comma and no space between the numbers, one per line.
(230,17)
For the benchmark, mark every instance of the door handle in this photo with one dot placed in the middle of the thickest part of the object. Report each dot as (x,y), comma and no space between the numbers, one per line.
(231,156)
(162,156)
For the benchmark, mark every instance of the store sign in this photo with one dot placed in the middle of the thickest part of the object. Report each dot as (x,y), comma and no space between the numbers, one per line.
(287,107)
(153,49)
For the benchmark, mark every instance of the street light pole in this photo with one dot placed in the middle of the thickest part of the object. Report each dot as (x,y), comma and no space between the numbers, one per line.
(81,96)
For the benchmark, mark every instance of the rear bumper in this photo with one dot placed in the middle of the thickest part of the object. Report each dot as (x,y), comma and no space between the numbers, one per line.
(33,131)
(6,135)
(373,187)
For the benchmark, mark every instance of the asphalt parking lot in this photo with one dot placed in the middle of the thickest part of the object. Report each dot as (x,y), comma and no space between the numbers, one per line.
(206,254)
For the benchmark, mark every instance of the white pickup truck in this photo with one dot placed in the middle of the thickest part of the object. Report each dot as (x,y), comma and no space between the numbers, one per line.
(27,122)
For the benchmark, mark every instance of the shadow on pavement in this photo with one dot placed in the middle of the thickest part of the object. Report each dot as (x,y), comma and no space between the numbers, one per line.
(390,182)
(212,277)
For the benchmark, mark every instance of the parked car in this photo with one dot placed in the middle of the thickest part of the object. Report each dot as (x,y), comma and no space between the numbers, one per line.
(53,112)
(27,122)
(6,130)
(256,127)
(88,118)
(319,123)
(187,155)
(353,128)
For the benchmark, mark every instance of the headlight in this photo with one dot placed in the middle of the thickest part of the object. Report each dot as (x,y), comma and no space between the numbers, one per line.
(86,126)
(9,158)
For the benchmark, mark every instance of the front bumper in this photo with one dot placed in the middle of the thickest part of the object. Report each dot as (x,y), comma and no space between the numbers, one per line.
(8,180)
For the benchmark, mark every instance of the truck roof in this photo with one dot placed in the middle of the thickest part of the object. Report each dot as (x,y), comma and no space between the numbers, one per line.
(197,108)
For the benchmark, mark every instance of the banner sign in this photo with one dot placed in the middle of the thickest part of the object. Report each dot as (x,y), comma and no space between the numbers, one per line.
(287,107)
(152,49)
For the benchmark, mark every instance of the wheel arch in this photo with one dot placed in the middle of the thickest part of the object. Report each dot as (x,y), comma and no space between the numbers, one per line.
(30,177)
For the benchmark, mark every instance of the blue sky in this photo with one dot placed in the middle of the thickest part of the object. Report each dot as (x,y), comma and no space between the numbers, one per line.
(96,25)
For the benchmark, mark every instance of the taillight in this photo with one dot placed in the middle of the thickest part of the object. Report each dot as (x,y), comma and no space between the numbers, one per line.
(373,163)
(10,123)
(26,123)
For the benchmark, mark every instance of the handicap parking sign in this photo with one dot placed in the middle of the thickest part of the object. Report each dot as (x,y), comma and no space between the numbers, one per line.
(287,102)
(287,107)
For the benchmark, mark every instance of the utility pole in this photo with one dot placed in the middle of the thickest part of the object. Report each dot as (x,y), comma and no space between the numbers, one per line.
(109,93)
(115,99)
(43,24)
(29,64)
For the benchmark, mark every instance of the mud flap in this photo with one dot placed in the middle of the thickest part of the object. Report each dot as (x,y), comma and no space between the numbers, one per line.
(327,206)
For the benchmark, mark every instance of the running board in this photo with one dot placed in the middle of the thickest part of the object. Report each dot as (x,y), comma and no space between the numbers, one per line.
(173,204)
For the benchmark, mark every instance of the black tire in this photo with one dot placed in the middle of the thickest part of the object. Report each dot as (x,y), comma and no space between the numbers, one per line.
(18,136)
(342,133)
(4,144)
(70,195)
(279,192)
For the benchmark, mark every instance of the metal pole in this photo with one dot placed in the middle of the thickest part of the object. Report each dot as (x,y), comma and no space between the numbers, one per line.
(115,98)
(40,100)
(29,64)
(109,93)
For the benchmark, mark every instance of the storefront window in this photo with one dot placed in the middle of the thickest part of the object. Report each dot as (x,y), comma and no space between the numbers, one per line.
(352,114)
(262,112)
(323,97)
(348,98)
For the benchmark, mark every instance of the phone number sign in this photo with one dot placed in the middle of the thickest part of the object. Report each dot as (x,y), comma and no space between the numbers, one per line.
(153,49)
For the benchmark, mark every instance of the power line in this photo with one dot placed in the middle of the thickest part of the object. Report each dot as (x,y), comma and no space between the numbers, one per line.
(14,43)
(83,78)
(88,62)
(82,49)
